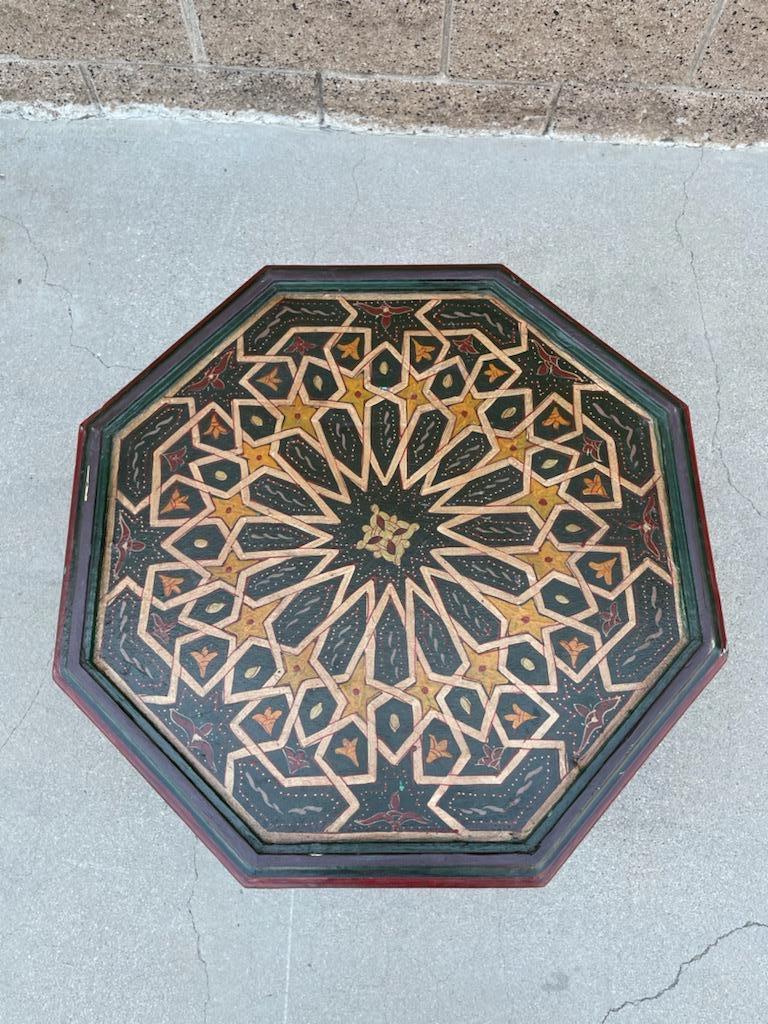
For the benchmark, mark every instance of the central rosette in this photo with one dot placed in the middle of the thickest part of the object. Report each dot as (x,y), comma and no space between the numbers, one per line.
(387,533)
(387,536)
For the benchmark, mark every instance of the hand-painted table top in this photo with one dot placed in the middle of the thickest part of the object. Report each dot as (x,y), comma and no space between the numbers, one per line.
(388,575)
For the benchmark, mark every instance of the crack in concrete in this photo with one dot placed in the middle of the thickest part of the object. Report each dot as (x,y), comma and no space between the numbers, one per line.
(715,443)
(40,252)
(23,718)
(355,168)
(201,959)
(682,969)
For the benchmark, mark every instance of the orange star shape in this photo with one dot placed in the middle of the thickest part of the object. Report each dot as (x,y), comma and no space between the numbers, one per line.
(349,349)
(203,658)
(483,668)
(556,419)
(422,351)
(492,372)
(518,717)
(437,749)
(216,428)
(604,570)
(348,749)
(270,379)
(267,719)
(177,501)
(594,485)
(522,618)
(250,623)
(573,647)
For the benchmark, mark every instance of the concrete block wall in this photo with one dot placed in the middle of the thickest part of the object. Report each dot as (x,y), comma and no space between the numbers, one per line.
(693,70)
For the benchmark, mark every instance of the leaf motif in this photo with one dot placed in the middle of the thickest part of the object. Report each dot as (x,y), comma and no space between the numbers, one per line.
(561,599)
(317,381)
(466,705)
(549,463)
(447,380)
(214,606)
(528,664)
(251,672)
(394,722)
(383,367)
(316,711)
(573,528)
(220,474)
(201,542)
(257,421)
(509,412)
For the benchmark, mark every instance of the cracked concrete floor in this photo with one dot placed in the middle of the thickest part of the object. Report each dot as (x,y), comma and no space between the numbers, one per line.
(116,236)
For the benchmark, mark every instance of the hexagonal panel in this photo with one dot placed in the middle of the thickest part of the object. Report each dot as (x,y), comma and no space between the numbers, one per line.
(388,575)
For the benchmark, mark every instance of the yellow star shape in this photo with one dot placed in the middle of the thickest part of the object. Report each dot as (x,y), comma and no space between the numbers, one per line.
(425,690)
(483,668)
(297,669)
(356,691)
(250,622)
(231,510)
(465,414)
(522,618)
(230,569)
(356,394)
(299,415)
(415,396)
(512,447)
(541,498)
(258,455)
(546,560)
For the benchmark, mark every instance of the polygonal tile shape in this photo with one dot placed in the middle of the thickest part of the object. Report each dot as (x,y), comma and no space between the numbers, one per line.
(388,575)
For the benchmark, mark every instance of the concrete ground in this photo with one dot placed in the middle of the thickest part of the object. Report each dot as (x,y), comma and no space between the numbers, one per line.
(115,237)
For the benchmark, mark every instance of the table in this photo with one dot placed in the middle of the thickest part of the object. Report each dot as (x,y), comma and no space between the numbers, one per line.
(388,576)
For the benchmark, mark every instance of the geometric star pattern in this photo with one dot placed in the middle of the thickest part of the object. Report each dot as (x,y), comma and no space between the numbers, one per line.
(388,563)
